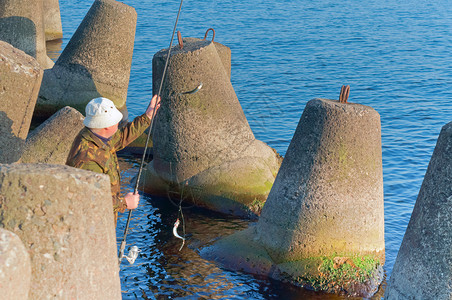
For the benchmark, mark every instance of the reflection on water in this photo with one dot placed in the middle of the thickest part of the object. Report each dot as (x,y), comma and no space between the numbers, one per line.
(54,49)
(163,272)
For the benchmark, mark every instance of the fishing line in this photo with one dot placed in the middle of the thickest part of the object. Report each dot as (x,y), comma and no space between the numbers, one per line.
(176,224)
(123,243)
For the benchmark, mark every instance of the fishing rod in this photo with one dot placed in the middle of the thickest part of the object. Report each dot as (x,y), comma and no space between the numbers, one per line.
(134,250)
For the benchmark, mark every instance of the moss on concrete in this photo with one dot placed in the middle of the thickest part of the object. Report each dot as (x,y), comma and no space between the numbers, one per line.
(353,275)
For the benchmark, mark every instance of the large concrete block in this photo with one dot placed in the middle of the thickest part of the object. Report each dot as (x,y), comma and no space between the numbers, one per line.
(20,79)
(327,200)
(202,144)
(51,142)
(15,267)
(63,216)
(22,25)
(96,61)
(322,226)
(52,20)
(330,186)
(422,269)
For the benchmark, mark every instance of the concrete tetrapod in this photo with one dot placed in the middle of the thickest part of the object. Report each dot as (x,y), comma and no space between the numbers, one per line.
(22,25)
(137,146)
(15,267)
(322,226)
(52,20)
(21,77)
(202,144)
(422,269)
(51,141)
(63,216)
(96,61)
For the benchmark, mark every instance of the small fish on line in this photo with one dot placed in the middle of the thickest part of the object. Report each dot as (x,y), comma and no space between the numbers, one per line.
(176,224)
(133,254)
(194,90)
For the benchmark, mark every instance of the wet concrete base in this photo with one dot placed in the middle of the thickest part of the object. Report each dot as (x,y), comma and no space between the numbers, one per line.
(351,276)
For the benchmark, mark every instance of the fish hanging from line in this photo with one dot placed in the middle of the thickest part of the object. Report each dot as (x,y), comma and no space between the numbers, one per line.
(176,224)
(133,254)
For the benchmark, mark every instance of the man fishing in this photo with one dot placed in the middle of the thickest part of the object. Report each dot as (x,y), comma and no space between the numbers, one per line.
(96,145)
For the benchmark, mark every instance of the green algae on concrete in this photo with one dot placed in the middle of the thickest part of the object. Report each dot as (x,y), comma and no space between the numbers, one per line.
(355,276)
(351,275)
(239,187)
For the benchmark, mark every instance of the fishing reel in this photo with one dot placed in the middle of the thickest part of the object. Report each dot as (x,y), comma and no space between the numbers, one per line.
(133,254)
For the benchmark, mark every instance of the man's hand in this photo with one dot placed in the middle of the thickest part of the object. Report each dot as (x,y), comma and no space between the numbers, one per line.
(153,107)
(132,200)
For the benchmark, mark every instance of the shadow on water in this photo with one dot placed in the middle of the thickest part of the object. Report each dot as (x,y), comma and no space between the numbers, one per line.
(163,272)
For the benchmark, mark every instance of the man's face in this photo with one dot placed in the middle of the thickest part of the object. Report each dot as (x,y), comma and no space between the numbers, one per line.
(111,130)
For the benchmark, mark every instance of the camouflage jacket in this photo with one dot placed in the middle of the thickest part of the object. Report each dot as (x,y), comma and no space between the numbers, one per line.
(91,153)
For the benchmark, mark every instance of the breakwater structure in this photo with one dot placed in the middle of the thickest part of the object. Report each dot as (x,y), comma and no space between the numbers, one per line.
(96,61)
(51,141)
(53,28)
(203,147)
(22,26)
(422,267)
(63,217)
(322,226)
(21,77)
(15,267)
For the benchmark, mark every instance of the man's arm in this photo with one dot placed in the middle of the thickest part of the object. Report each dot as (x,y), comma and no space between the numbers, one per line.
(134,129)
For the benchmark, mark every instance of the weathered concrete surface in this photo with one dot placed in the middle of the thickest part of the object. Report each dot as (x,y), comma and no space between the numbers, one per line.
(322,226)
(96,62)
(330,184)
(21,78)
(242,252)
(15,267)
(224,52)
(203,146)
(63,216)
(422,269)
(22,26)
(51,142)
(52,20)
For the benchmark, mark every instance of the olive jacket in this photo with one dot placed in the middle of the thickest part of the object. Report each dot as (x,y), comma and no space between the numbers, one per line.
(88,152)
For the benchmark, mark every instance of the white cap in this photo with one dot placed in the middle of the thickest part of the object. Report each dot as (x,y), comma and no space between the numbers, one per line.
(101,113)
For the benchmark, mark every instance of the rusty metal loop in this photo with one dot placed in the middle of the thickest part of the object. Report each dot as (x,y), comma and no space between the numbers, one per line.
(345,92)
(179,39)
(213,34)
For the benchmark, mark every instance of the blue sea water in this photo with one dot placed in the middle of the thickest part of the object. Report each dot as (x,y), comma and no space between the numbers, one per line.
(395,55)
